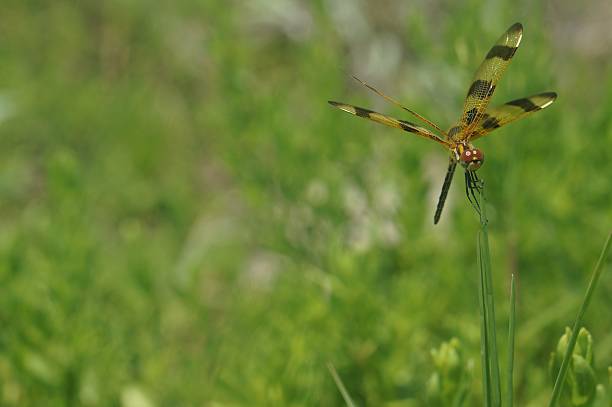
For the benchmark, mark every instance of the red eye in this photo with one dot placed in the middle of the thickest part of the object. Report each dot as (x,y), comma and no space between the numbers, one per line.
(472,158)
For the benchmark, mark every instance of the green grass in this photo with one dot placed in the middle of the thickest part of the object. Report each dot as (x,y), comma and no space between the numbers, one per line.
(490,357)
(491,383)
(511,338)
(560,379)
(345,395)
(183,217)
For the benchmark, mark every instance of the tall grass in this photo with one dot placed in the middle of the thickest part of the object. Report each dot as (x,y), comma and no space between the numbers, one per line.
(597,271)
(490,361)
(174,198)
(345,394)
(511,335)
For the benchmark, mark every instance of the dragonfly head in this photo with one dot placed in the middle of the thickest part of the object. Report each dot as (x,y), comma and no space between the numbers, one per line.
(471,159)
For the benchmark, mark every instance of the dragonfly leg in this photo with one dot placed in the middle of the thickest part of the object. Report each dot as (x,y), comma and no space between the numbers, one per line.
(478,183)
(472,184)
(475,187)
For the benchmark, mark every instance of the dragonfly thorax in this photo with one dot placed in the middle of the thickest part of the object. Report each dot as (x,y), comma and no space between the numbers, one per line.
(470,158)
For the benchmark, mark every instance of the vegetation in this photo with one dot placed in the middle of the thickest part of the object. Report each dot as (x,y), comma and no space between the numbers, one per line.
(185,220)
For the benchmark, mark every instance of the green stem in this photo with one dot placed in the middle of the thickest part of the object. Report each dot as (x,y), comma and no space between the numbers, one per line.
(489,339)
(511,332)
(484,342)
(560,380)
(345,395)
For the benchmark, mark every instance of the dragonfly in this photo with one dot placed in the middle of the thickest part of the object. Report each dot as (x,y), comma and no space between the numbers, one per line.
(476,121)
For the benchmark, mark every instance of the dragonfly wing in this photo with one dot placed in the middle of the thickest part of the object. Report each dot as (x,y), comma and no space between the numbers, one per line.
(488,74)
(499,116)
(395,102)
(389,121)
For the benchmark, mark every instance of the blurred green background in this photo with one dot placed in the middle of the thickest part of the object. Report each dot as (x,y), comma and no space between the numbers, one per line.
(186,221)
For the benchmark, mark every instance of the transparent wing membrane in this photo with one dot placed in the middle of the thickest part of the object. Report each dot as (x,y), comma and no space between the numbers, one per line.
(487,75)
(499,116)
(395,102)
(389,121)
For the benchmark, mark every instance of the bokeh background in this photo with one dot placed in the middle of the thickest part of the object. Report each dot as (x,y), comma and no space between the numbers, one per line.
(184,220)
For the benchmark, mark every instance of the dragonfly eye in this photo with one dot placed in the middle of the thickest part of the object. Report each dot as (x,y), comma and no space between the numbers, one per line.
(472,159)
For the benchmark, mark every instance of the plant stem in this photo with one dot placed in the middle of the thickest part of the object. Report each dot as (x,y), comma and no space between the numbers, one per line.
(560,380)
(511,334)
(345,395)
(484,342)
(489,337)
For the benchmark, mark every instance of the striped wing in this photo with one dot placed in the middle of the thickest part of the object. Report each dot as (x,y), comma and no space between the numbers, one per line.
(498,116)
(487,76)
(389,121)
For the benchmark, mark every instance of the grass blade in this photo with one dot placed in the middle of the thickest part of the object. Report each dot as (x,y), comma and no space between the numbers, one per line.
(345,395)
(511,334)
(560,380)
(484,342)
(488,305)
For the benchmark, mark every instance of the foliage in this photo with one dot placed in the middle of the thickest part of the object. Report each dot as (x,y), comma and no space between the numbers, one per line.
(581,387)
(449,383)
(185,221)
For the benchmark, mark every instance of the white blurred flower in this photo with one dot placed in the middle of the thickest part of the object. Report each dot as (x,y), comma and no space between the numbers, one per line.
(317,192)
(134,396)
(355,201)
(292,17)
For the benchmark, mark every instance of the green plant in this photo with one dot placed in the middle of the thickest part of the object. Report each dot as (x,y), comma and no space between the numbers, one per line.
(581,383)
(583,353)
(450,382)
(573,357)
